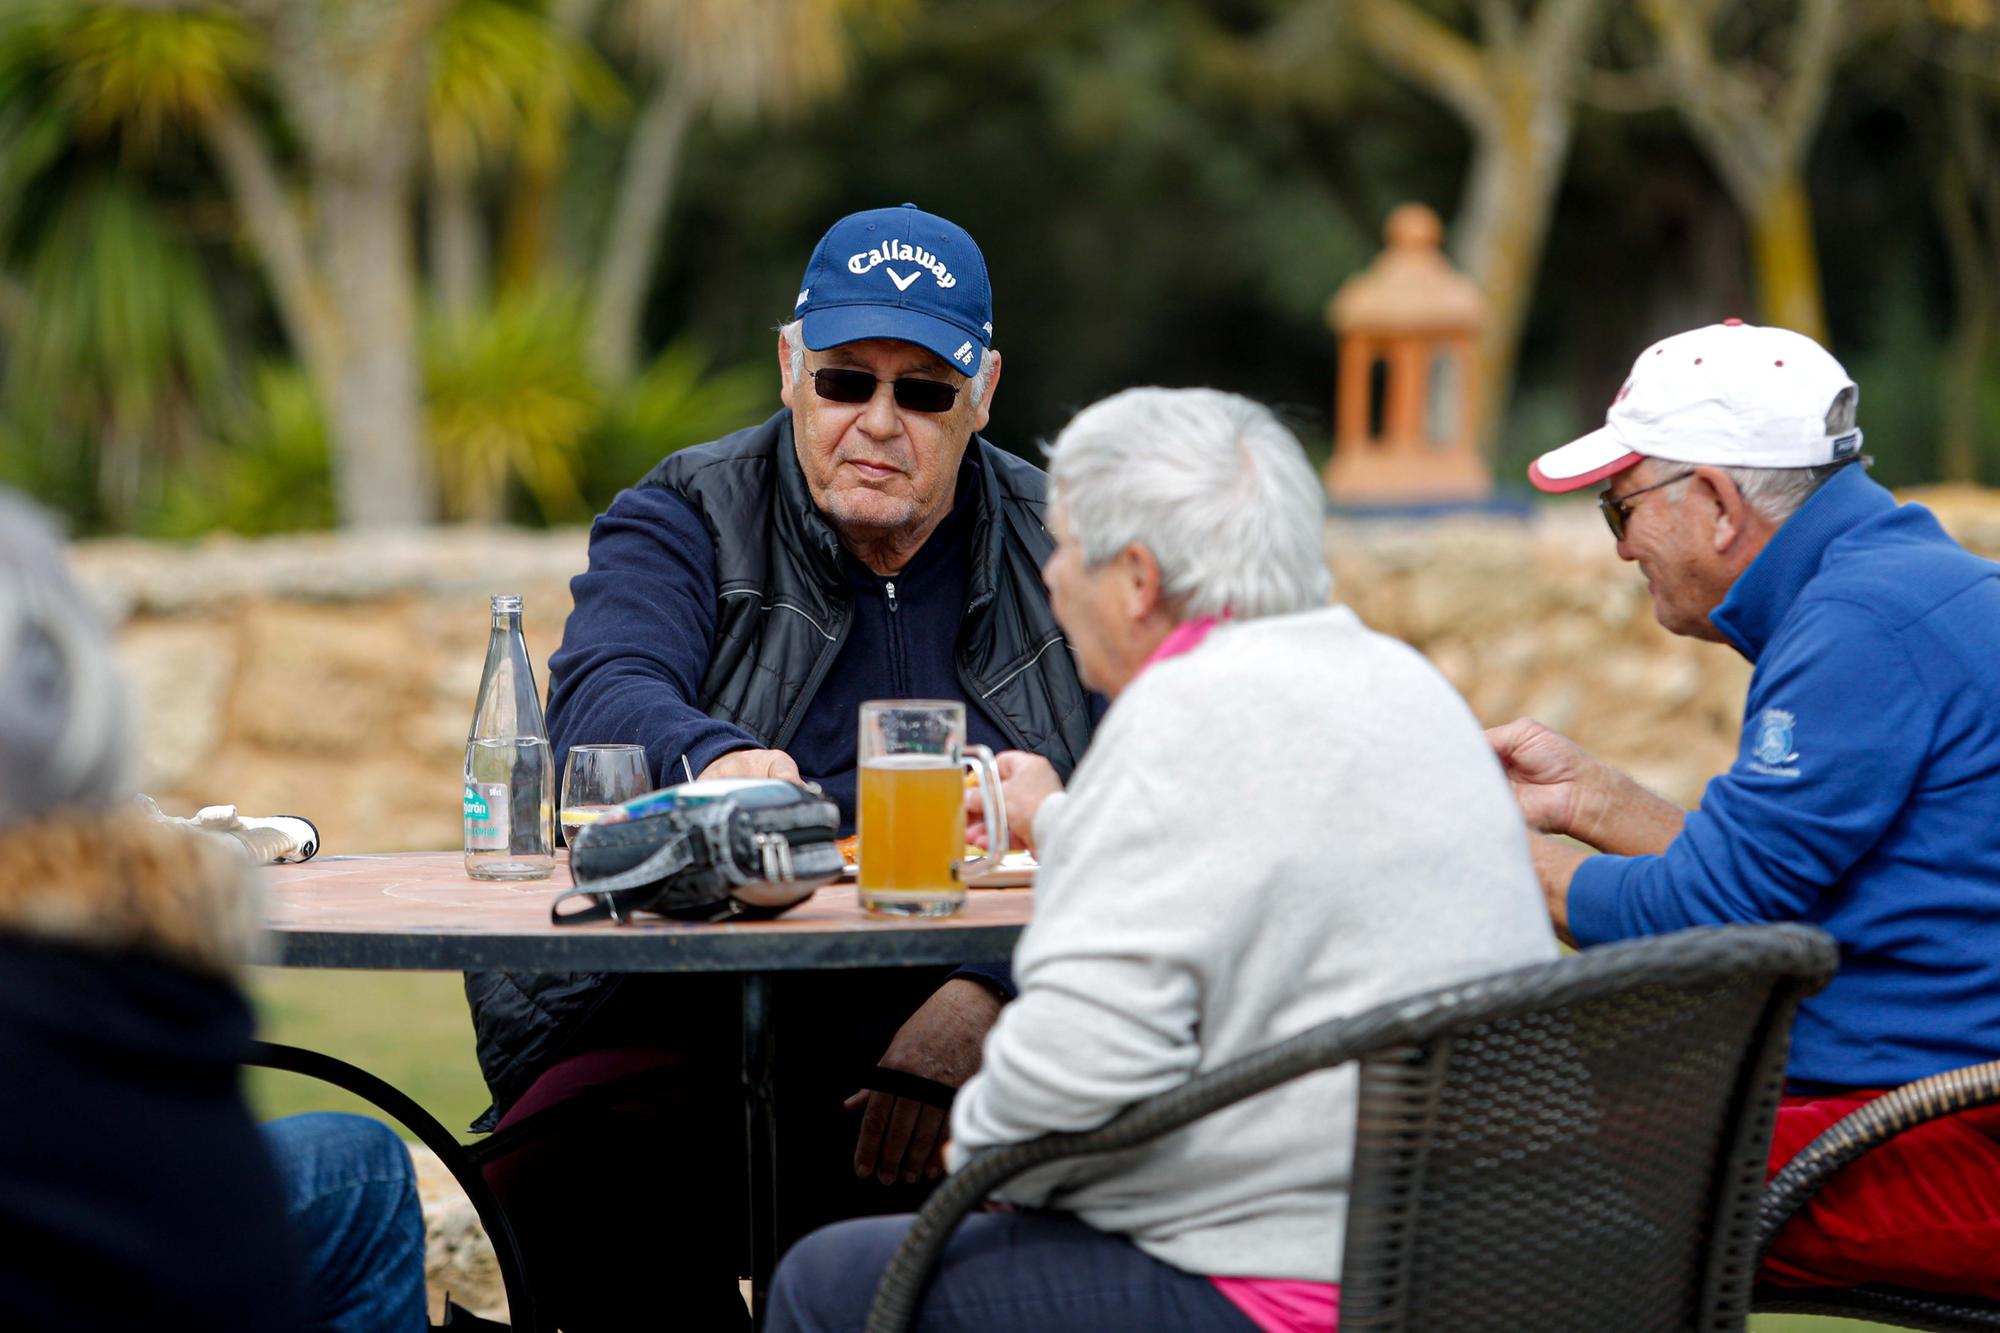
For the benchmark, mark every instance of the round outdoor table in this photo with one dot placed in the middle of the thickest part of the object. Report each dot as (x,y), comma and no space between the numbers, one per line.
(420,911)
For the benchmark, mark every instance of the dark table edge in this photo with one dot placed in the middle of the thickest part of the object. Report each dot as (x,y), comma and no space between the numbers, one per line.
(638,950)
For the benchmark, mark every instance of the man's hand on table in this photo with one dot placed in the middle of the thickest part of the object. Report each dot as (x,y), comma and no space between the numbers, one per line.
(1026,780)
(902,1138)
(754,764)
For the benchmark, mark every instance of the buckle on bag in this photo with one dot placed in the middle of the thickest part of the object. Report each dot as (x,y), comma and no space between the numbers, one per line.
(775,851)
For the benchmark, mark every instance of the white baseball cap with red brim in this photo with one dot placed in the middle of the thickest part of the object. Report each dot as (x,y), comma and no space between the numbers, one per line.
(1731,394)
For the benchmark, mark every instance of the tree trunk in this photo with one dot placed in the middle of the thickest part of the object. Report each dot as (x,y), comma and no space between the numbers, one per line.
(1514,94)
(1516,167)
(632,246)
(1966,360)
(278,237)
(529,226)
(1786,261)
(351,78)
(530,254)
(13,307)
(375,414)
(457,243)
(1964,182)
(1756,127)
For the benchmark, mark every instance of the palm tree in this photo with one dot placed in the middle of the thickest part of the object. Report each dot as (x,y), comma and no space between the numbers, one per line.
(504,82)
(731,59)
(349,78)
(341,274)
(364,86)
(115,349)
(371,92)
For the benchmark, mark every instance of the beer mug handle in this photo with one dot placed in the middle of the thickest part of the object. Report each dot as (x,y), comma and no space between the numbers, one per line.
(980,760)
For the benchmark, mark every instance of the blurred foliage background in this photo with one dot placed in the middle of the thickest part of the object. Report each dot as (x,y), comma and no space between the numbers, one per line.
(278,264)
(272,265)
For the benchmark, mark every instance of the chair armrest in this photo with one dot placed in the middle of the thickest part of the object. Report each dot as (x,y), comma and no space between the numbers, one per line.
(1863,1130)
(902,1286)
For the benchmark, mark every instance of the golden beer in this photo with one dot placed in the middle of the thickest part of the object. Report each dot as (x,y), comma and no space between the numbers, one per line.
(911,818)
(910,804)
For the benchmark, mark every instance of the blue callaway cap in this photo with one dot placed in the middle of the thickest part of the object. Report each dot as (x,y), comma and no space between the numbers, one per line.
(898,273)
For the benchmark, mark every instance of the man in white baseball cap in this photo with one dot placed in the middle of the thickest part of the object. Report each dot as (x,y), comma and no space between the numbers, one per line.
(1865,796)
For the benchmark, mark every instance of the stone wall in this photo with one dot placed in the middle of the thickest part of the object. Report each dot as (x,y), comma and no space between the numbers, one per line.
(458,1257)
(328,676)
(333,676)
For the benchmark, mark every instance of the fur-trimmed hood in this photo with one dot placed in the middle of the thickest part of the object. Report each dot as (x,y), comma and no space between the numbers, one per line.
(125,883)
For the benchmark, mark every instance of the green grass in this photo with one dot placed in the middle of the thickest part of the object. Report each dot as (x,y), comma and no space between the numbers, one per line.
(412,1029)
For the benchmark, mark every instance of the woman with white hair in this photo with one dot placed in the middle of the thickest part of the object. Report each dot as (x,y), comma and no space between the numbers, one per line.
(1283,818)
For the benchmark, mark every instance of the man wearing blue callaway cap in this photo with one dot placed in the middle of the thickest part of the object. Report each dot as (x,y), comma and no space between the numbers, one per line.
(742,600)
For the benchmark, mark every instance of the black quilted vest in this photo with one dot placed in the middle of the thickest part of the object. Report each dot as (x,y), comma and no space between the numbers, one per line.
(783,605)
(782,612)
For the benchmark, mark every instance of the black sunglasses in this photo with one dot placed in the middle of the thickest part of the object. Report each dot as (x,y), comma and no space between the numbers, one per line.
(858,386)
(1616,512)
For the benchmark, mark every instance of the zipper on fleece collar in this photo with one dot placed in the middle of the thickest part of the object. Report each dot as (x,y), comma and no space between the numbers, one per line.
(1763,594)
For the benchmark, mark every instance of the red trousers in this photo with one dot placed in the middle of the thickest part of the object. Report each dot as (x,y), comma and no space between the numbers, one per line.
(1922,1210)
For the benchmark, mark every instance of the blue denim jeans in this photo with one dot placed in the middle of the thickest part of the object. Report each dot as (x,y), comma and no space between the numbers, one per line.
(351,1195)
(1034,1272)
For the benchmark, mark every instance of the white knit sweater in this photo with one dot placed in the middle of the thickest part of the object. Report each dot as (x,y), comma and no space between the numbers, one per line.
(1296,821)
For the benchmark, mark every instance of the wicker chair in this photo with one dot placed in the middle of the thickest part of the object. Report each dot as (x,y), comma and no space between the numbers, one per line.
(1819,1161)
(1573,1145)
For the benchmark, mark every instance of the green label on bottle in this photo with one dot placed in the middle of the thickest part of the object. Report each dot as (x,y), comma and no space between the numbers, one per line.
(486,817)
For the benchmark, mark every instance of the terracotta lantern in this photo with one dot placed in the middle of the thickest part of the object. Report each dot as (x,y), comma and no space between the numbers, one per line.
(1409,328)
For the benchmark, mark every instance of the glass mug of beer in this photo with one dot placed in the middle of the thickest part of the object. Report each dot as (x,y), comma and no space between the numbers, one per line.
(910,806)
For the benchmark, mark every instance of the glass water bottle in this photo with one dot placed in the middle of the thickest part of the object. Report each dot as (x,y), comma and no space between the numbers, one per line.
(509,776)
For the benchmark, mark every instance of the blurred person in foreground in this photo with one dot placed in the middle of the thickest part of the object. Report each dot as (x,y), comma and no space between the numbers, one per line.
(1865,798)
(1284,818)
(742,601)
(134,1190)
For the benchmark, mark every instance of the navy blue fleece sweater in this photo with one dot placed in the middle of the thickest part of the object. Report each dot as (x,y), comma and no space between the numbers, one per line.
(637,644)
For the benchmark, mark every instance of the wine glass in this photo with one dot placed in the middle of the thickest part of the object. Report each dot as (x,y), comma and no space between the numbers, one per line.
(597,778)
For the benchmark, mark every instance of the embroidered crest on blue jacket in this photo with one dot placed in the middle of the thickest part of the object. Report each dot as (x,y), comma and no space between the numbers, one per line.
(1771,752)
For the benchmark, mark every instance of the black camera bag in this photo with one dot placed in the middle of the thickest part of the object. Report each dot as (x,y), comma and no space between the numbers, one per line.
(756,852)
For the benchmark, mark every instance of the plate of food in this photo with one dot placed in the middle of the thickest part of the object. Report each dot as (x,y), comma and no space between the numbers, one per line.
(1014,870)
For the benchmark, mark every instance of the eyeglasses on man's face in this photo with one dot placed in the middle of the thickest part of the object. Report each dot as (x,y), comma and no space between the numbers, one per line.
(858,386)
(1619,511)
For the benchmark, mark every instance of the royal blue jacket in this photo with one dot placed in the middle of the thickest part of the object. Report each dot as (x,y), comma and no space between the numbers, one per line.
(1865,798)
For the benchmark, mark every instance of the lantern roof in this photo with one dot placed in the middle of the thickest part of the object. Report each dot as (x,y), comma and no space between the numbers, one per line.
(1410,287)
